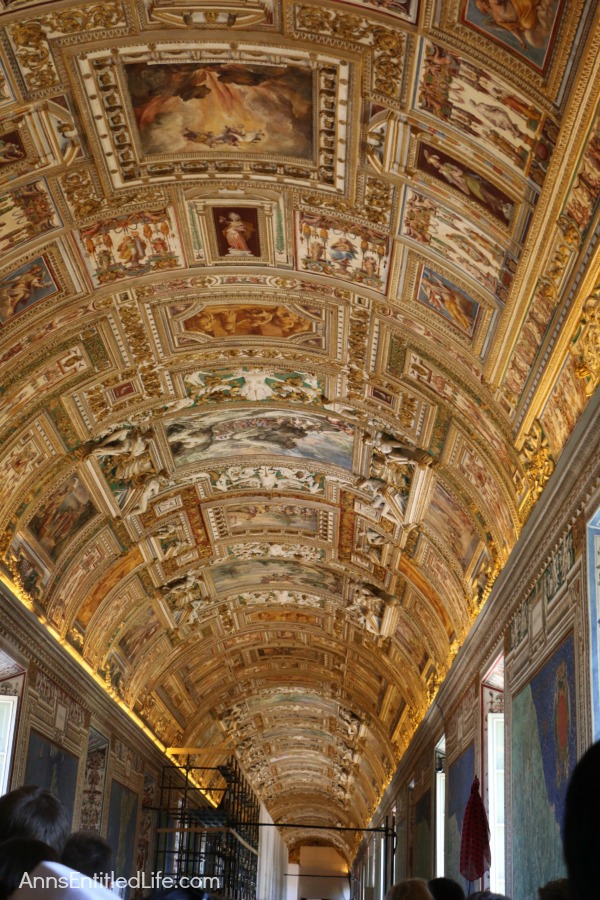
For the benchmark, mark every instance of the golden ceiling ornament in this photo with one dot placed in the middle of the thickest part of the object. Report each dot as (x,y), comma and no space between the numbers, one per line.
(376,208)
(538,464)
(586,344)
(82,196)
(31,38)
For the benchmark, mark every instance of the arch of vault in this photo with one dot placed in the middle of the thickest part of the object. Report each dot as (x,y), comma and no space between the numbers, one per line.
(298,309)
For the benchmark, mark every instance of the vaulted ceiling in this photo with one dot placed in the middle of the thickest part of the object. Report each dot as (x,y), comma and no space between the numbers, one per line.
(298,309)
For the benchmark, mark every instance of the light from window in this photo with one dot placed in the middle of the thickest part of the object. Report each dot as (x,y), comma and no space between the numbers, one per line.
(496,799)
(8,718)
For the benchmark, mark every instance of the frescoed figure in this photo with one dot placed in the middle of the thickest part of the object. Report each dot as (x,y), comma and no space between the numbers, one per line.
(523,26)
(223,107)
(27,285)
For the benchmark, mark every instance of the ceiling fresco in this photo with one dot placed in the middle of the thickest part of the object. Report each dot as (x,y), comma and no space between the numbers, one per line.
(299,305)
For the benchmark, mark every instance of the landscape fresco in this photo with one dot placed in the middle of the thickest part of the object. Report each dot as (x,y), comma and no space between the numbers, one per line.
(65,512)
(235,433)
(543,756)
(30,283)
(447,300)
(234,106)
(525,28)
(260,515)
(231,576)
(448,170)
(243,320)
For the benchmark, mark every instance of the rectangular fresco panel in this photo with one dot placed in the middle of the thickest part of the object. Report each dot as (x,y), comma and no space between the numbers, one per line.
(459,175)
(259,515)
(457,240)
(122,820)
(525,28)
(237,231)
(6,94)
(447,300)
(131,245)
(453,525)
(423,837)
(327,246)
(11,149)
(52,768)
(30,283)
(26,212)
(236,433)
(543,758)
(242,320)
(455,91)
(64,513)
(191,108)
(231,576)
(460,779)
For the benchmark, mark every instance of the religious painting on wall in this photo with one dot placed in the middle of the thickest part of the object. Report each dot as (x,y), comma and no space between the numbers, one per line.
(327,246)
(544,753)
(126,246)
(61,516)
(472,184)
(460,779)
(30,283)
(237,232)
(525,27)
(52,768)
(121,832)
(452,524)
(223,107)
(449,301)
(234,433)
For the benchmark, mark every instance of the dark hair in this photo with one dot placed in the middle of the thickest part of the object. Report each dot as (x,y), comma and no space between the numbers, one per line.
(555,890)
(31,812)
(446,889)
(581,832)
(88,853)
(19,855)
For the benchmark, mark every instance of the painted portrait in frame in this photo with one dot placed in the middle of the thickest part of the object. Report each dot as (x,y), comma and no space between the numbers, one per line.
(237,232)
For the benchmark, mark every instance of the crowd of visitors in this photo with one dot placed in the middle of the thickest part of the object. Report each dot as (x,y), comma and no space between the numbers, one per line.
(39,858)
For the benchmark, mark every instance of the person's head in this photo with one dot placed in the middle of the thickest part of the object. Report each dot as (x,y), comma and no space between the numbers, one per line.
(445,889)
(19,855)
(31,812)
(88,853)
(581,832)
(555,890)
(409,889)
